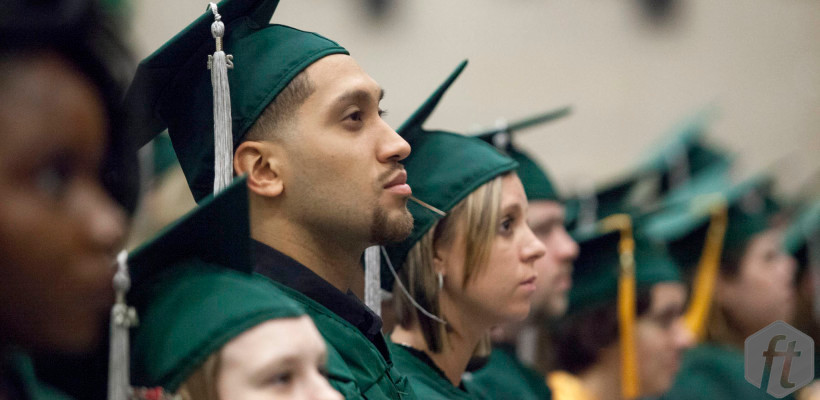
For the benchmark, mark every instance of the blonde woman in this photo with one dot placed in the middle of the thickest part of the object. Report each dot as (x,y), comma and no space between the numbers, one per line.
(468,264)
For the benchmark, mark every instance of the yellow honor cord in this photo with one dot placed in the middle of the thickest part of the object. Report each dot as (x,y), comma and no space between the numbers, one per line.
(630,382)
(703,283)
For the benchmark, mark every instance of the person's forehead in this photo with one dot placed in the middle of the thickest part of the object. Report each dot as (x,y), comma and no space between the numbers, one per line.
(339,73)
(512,191)
(256,342)
(543,209)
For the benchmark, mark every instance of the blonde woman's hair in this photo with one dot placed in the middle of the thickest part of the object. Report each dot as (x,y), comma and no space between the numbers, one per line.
(478,214)
(201,385)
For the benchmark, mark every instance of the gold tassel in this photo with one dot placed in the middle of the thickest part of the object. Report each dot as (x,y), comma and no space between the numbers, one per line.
(703,283)
(630,382)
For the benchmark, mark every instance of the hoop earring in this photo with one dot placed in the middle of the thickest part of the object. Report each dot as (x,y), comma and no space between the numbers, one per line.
(440,277)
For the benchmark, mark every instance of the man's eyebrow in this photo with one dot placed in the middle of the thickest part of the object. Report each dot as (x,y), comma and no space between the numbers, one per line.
(356,95)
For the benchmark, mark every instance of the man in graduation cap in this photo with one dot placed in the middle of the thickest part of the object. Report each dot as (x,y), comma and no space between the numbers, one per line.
(505,374)
(304,124)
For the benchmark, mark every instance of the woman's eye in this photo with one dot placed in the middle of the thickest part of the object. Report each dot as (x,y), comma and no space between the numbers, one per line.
(53,179)
(506,225)
(323,370)
(382,113)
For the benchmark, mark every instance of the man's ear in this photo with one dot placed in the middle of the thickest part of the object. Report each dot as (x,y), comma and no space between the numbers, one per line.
(259,162)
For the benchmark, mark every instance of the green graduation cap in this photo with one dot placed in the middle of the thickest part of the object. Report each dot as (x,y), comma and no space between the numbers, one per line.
(173,87)
(596,270)
(186,286)
(162,154)
(750,207)
(443,169)
(681,157)
(802,233)
(537,183)
(615,262)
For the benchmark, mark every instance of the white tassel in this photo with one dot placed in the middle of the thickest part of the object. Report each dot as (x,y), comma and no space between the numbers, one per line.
(372,279)
(219,63)
(406,293)
(122,319)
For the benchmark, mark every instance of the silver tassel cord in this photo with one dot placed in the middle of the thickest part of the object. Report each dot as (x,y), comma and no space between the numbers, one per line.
(372,279)
(219,63)
(122,319)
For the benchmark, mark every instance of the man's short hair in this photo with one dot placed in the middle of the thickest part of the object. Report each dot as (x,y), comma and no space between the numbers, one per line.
(280,113)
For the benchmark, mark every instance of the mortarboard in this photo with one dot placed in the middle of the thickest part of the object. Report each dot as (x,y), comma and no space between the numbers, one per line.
(186,283)
(443,169)
(680,157)
(162,154)
(537,183)
(614,262)
(172,87)
(803,233)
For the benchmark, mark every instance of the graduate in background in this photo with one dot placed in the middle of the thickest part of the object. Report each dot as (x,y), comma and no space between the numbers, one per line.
(505,376)
(303,122)
(67,185)
(209,328)
(742,280)
(468,265)
(802,241)
(623,335)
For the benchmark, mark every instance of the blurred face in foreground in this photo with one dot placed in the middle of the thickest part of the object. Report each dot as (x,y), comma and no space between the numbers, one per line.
(59,229)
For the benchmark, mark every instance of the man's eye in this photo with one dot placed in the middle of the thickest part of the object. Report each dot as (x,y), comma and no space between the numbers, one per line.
(355,116)
(281,379)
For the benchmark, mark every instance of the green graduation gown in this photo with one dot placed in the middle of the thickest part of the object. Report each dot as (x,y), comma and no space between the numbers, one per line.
(713,371)
(355,367)
(427,382)
(359,362)
(20,370)
(505,377)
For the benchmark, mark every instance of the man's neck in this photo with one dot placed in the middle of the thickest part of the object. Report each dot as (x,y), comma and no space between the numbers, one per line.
(327,257)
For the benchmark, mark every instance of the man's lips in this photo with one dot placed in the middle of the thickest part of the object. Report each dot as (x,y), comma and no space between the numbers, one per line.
(398,184)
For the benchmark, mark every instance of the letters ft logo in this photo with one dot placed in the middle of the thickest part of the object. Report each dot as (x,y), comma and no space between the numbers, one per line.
(779,359)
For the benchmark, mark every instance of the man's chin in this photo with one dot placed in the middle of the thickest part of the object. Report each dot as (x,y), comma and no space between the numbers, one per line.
(393,226)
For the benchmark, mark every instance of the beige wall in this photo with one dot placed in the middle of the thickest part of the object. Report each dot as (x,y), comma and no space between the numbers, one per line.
(630,81)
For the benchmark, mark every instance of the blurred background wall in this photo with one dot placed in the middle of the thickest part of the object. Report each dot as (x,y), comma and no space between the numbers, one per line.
(631,68)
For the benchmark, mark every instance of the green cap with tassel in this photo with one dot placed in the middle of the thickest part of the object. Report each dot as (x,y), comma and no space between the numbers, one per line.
(175,89)
(185,286)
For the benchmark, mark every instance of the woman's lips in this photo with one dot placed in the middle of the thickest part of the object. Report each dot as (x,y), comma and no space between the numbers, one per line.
(528,284)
